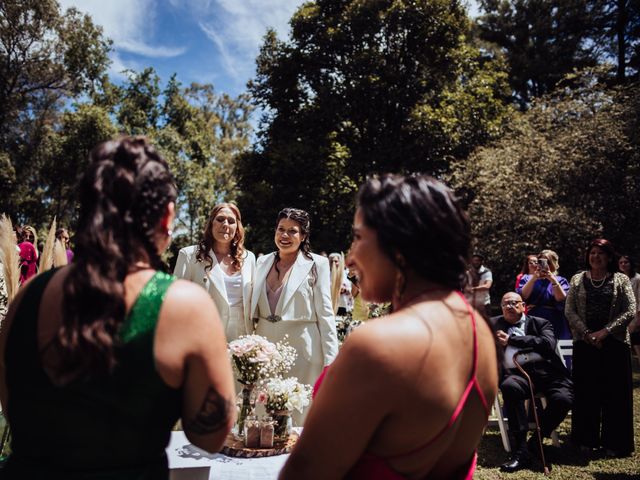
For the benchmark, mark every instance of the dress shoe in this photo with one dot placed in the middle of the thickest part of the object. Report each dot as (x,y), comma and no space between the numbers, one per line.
(515,463)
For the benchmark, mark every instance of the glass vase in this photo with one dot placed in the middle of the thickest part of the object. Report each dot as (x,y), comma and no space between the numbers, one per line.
(281,424)
(246,404)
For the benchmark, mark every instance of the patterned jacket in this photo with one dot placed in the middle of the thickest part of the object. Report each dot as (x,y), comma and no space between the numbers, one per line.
(623,307)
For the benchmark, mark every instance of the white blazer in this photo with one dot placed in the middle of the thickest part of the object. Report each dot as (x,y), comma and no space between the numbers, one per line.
(302,299)
(212,281)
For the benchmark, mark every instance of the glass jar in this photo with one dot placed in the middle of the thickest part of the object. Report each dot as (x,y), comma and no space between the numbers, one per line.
(251,432)
(266,432)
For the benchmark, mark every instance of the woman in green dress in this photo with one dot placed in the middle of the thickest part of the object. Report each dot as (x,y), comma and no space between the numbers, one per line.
(102,357)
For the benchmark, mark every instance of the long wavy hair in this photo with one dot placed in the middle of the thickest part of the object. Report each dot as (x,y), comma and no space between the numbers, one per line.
(337,274)
(123,196)
(237,243)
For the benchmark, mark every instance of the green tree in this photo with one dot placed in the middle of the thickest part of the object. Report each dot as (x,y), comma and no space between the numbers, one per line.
(552,182)
(47,58)
(542,40)
(361,87)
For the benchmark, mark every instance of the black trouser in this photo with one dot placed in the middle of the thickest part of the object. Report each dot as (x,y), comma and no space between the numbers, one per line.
(603,409)
(557,389)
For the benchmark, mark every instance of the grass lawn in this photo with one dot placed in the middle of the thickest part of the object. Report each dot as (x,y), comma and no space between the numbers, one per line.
(567,462)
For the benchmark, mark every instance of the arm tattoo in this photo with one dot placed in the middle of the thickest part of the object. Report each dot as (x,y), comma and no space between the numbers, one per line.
(212,415)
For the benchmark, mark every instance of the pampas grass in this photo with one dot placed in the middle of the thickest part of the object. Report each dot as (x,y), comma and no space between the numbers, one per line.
(59,254)
(46,257)
(9,256)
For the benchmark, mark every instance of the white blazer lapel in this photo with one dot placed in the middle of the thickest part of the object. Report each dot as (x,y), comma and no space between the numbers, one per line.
(215,277)
(299,272)
(262,270)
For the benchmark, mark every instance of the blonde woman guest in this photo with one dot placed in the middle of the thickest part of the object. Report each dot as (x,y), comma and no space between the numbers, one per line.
(291,297)
(337,266)
(222,265)
(545,291)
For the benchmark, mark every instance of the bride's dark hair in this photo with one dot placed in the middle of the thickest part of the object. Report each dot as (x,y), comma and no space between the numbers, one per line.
(123,195)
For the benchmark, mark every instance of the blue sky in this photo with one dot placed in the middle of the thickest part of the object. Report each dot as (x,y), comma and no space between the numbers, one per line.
(206,41)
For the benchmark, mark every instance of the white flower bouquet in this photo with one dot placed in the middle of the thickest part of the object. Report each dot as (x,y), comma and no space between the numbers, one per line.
(286,395)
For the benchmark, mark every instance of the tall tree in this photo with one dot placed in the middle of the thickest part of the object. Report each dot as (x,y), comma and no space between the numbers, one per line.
(362,86)
(616,30)
(46,58)
(543,40)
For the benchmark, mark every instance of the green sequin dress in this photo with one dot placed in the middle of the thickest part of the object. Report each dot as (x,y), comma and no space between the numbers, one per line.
(111,427)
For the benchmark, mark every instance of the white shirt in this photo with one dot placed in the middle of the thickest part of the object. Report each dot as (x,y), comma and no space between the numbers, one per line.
(233,286)
(516,330)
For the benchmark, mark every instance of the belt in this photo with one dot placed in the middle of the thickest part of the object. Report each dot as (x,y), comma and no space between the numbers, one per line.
(278,318)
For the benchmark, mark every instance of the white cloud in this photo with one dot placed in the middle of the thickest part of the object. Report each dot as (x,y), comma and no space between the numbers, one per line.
(237,27)
(129,23)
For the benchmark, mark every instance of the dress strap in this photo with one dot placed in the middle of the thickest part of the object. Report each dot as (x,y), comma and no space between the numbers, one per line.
(143,315)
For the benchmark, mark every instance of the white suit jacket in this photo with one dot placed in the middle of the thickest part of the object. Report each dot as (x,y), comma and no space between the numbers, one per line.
(189,268)
(302,298)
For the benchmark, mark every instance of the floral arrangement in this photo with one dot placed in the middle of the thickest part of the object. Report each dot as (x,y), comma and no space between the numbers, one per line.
(285,395)
(255,359)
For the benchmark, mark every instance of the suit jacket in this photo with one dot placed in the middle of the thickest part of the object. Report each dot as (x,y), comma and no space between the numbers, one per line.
(539,336)
(189,268)
(303,298)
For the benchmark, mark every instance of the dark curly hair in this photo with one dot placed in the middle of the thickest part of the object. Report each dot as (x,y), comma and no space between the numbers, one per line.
(237,244)
(123,195)
(421,219)
(303,219)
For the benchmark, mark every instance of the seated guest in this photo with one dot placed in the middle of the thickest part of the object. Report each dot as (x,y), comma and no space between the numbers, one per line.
(408,395)
(101,357)
(516,332)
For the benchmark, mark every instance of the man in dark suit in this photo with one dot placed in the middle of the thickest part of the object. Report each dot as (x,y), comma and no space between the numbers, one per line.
(516,332)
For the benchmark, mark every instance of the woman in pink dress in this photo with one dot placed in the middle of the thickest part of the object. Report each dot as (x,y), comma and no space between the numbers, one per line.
(408,395)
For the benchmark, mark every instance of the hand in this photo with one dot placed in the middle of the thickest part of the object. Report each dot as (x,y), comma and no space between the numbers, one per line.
(599,336)
(502,337)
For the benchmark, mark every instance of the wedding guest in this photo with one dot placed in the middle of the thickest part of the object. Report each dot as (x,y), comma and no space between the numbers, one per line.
(28,253)
(101,357)
(222,265)
(341,297)
(409,393)
(528,266)
(477,285)
(292,298)
(599,306)
(627,266)
(32,236)
(545,292)
(62,234)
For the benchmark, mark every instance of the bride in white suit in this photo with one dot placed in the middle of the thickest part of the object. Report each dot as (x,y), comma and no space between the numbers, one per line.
(292,296)
(223,267)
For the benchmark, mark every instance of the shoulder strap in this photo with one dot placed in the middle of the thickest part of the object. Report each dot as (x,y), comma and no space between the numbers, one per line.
(144,314)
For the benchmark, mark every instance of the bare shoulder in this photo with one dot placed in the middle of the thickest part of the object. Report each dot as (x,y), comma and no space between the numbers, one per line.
(189,302)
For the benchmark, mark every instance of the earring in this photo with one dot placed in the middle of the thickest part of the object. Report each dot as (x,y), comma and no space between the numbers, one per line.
(398,290)
(169,232)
